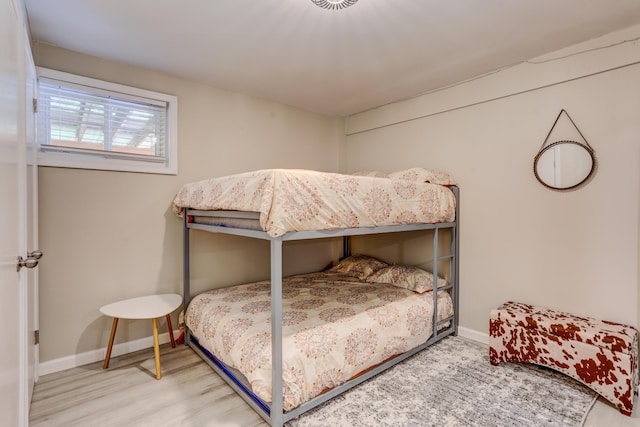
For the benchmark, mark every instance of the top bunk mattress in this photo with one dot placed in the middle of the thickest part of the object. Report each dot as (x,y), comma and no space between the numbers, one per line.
(299,200)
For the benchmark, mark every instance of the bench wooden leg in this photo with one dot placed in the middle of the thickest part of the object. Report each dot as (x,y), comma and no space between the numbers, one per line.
(113,335)
(156,347)
(173,342)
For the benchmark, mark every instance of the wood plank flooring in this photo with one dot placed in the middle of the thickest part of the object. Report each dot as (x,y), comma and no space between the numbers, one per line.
(189,394)
(127,394)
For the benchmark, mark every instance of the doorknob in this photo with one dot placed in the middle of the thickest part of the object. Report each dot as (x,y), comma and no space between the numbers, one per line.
(35,254)
(29,263)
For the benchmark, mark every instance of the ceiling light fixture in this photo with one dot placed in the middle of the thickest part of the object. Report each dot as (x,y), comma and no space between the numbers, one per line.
(333,4)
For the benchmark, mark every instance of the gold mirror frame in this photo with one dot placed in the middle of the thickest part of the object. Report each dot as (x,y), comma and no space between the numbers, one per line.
(552,166)
(584,174)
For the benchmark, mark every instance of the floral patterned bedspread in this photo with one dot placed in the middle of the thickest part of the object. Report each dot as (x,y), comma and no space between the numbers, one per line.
(296,200)
(334,327)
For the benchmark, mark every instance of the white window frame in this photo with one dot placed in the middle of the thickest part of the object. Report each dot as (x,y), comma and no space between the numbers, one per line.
(107,161)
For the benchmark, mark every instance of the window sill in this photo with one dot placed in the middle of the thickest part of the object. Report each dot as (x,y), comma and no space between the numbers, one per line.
(97,163)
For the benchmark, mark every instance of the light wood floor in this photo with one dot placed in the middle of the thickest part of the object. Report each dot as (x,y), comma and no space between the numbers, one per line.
(189,394)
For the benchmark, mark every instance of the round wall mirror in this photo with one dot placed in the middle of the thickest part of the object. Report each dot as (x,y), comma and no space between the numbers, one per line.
(564,165)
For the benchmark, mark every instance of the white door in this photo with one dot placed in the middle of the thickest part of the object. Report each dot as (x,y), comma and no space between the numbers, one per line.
(12,239)
(32,222)
(14,206)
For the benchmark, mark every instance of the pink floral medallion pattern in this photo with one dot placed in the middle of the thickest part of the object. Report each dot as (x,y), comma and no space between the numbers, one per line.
(424,175)
(334,326)
(256,351)
(293,385)
(210,324)
(236,329)
(295,200)
(409,175)
(256,198)
(196,307)
(316,342)
(392,294)
(290,293)
(419,319)
(197,195)
(405,189)
(326,380)
(256,307)
(378,205)
(385,315)
(360,344)
(343,219)
(429,203)
(307,304)
(395,345)
(347,185)
(363,289)
(259,287)
(323,291)
(359,266)
(239,296)
(290,318)
(304,204)
(337,314)
(352,299)
(406,217)
(237,196)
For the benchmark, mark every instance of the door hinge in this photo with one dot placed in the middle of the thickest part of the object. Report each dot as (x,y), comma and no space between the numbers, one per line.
(35,105)
(36,337)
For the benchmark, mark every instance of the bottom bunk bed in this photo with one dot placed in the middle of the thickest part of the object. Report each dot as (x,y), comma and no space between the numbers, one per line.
(290,344)
(335,326)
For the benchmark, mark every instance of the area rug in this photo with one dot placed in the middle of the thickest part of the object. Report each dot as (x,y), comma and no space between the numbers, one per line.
(452,383)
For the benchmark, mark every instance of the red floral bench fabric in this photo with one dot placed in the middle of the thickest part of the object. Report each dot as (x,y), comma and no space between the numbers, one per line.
(602,355)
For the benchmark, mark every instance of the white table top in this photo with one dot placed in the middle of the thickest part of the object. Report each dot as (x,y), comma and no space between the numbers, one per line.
(148,307)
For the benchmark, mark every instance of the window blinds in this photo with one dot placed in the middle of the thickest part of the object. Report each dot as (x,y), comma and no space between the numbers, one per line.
(78,119)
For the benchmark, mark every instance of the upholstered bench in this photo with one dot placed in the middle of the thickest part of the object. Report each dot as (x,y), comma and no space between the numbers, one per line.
(602,355)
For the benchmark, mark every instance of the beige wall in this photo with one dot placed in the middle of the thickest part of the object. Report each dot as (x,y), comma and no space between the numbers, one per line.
(110,235)
(575,251)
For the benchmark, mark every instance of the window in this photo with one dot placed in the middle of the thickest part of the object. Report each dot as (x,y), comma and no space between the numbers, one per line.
(91,124)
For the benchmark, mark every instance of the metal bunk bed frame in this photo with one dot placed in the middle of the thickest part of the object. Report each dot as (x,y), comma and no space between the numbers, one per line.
(275,415)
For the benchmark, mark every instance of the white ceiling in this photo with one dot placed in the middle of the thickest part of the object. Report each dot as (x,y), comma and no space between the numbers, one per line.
(335,62)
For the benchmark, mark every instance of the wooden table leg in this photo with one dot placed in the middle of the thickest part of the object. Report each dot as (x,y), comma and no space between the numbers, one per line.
(173,342)
(113,335)
(156,347)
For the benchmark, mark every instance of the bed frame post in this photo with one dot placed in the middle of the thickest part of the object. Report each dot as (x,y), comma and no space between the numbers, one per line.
(455,241)
(346,246)
(434,324)
(186,273)
(277,418)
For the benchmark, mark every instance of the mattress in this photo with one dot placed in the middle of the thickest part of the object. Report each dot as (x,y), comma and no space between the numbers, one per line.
(298,200)
(335,326)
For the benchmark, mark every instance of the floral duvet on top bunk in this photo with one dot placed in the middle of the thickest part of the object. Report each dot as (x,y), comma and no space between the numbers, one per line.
(336,324)
(297,200)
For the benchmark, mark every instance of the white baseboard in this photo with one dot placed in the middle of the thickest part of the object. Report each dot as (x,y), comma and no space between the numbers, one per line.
(73,361)
(68,362)
(473,335)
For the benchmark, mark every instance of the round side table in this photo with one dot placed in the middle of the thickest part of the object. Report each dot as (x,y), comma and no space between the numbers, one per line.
(148,307)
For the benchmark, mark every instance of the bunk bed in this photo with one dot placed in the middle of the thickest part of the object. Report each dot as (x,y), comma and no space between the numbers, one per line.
(280,205)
